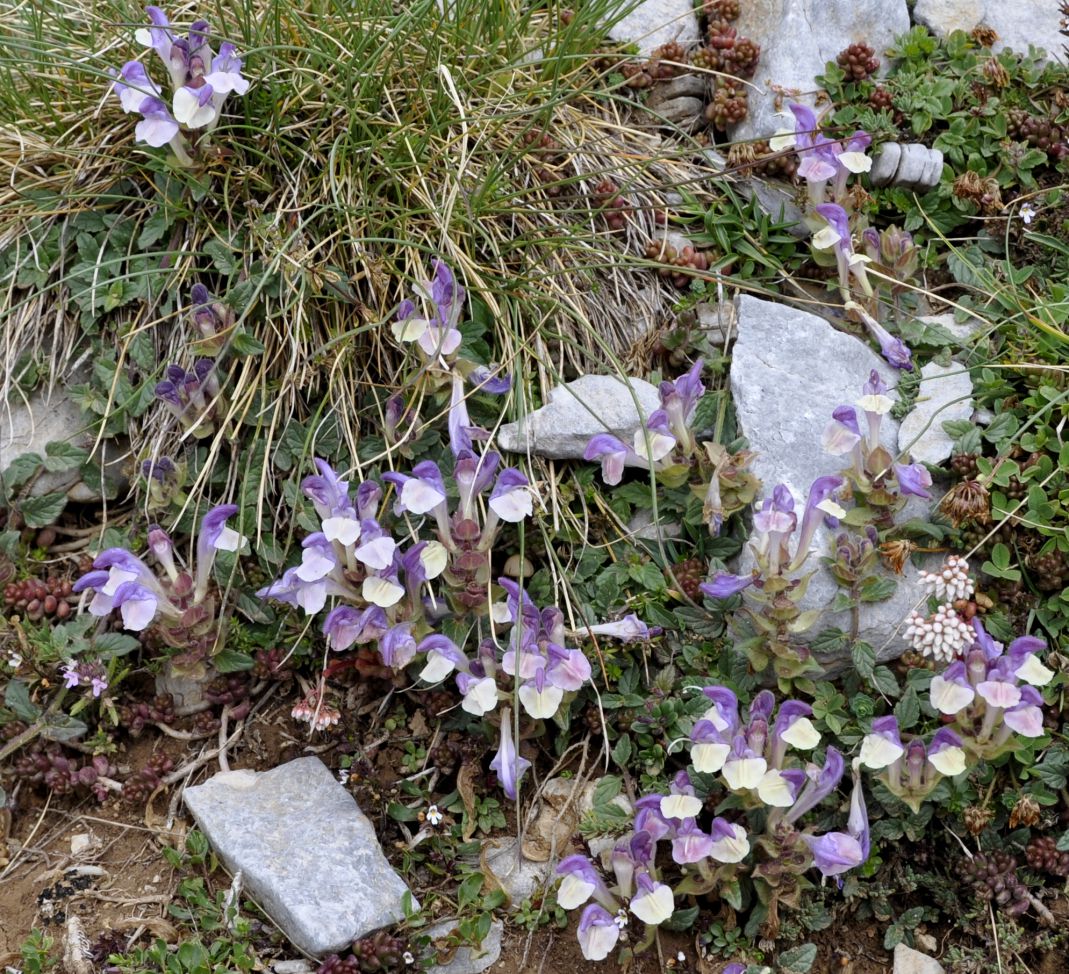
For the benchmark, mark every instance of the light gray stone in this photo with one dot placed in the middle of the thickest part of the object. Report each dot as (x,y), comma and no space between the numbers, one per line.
(789,371)
(910,961)
(909,165)
(945,395)
(52,416)
(653,23)
(578,410)
(717,322)
(187,691)
(885,163)
(519,876)
(643,528)
(468,960)
(309,856)
(685,112)
(686,85)
(963,331)
(1017,24)
(798,38)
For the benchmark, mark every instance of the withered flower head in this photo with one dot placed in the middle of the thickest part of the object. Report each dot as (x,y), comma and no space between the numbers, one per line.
(995,73)
(977,818)
(896,554)
(983,35)
(968,500)
(1026,813)
(969,186)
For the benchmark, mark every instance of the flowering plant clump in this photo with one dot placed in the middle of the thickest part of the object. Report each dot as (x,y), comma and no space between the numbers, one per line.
(774,588)
(667,445)
(987,696)
(182,602)
(878,484)
(762,838)
(200,82)
(826,165)
(396,597)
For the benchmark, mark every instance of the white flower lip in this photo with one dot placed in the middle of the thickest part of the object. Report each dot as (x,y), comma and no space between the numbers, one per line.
(680,806)
(574,891)
(802,734)
(877,752)
(709,758)
(743,773)
(949,697)
(949,761)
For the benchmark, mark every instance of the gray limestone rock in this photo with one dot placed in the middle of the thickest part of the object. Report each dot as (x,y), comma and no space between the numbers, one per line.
(963,331)
(910,961)
(468,960)
(644,528)
(789,370)
(578,410)
(908,165)
(309,856)
(519,876)
(798,38)
(945,394)
(653,23)
(685,112)
(1017,24)
(53,417)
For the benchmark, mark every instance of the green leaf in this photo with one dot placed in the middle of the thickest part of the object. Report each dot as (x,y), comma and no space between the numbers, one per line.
(21,469)
(648,575)
(112,644)
(798,960)
(607,789)
(222,256)
(64,456)
(63,727)
(908,709)
(621,754)
(242,343)
(884,681)
(17,700)
(39,512)
(470,889)
(232,661)
(401,813)
(876,588)
(864,657)
(682,919)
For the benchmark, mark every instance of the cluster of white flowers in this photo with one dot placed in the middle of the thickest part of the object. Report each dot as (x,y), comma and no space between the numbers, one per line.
(306,710)
(953,582)
(943,636)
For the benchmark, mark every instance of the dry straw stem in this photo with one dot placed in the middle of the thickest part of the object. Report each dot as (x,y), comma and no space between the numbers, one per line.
(375,136)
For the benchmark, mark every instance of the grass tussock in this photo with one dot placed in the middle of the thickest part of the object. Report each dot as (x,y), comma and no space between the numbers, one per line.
(375,136)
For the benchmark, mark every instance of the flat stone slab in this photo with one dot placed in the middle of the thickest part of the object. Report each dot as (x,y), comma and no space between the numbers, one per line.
(578,410)
(789,370)
(309,856)
(1017,24)
(945,395)
(468,960)
(910,961)
(798,38)
(653,23)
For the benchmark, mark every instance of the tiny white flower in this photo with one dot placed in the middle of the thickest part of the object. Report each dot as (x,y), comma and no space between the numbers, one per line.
(343,775)
(14,661)
(621,919)
(1028,213)
(434,816)
(408,958)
